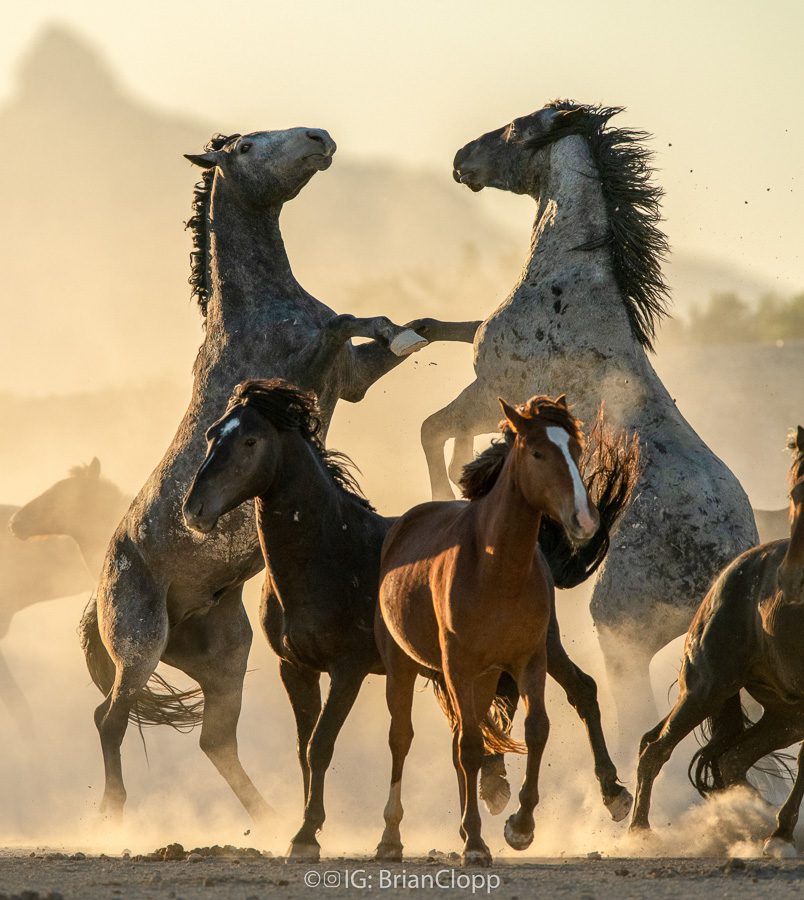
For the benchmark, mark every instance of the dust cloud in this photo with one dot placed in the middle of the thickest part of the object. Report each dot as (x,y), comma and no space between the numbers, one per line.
(102,339)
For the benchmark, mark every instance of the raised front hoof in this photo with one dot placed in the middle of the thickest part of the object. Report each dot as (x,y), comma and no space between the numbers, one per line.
(778,848)
(300,852)
(407,342)
(619,805)
(388,853)
(495,791)
(517,840)
(476,857)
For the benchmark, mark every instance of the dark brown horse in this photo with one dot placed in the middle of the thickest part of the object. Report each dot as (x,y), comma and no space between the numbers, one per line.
(747,634)
(322,543)
(465,592)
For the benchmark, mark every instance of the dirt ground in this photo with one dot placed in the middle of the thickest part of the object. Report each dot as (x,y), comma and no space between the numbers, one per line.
(36,875)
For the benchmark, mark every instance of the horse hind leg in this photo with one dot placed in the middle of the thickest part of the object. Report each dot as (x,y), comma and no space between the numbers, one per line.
(495,791)
(781,844)
(581,691)
(213,650)
(400,682)
(470,413)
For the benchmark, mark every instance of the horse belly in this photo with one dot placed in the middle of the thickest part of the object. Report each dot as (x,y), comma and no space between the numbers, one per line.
(408,614)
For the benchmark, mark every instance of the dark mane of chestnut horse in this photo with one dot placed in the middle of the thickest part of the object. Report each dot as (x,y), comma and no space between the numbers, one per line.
(636,243)
(288,408)
(198,226)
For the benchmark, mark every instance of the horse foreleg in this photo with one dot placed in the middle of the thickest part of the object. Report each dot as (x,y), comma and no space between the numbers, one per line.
(344,688)
(519,827)
(772,732)
(400,681)
(470,697)
(581,691)
(304,692)
(14,700)
(780,843)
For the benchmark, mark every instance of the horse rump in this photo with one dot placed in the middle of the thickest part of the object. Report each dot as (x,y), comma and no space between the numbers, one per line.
(158,703)
(610,467)
(495,726)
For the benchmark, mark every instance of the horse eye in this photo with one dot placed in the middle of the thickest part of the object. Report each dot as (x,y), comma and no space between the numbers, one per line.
(244,147)
(250,442)
(537,455)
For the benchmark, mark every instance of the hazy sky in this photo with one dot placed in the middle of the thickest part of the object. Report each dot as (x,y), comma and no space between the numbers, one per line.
(719,81)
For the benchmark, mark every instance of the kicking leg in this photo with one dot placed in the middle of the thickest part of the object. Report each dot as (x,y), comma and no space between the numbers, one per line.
(581,692)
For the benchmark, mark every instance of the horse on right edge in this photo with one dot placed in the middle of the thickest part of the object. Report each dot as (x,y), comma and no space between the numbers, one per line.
(747,634)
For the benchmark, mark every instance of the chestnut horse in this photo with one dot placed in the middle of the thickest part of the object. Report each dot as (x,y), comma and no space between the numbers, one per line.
(748,634)
(465,592)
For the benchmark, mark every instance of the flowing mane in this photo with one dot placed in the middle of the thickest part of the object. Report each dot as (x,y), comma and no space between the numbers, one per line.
(198,224)
(290,408)
(636,243)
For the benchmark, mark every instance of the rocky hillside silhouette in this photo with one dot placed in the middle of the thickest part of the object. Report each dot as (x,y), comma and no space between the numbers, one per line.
(95,191)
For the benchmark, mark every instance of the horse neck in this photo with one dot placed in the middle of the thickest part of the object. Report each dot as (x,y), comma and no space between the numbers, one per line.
(248,263)
(302,509)
(584,303)
(508,525)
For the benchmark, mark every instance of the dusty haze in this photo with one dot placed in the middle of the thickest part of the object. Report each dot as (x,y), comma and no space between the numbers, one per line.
(99,336)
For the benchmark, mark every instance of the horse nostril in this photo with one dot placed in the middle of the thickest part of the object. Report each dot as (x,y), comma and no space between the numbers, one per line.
(315,136)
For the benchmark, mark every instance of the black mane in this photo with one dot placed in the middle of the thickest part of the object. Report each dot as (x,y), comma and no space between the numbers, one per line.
(289,408)
(198,224)
(636,243)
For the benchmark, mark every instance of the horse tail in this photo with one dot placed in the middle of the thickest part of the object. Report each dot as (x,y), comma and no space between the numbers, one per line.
(721,732)
(158,703)
(496,724)
(610,467)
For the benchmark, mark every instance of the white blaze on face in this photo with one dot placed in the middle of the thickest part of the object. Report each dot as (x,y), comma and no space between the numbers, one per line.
(560,437)
(227,428)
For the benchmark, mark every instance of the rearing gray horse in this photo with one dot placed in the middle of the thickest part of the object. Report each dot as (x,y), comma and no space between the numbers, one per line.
(581,319)
(166,593)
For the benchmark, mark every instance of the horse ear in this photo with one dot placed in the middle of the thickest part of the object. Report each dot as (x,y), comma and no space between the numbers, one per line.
(205,160)
(93,470)
(562,401)
(800,438)
(512,417)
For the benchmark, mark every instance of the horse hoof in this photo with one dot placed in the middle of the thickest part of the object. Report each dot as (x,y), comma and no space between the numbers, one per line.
(407,342)
(303,853)
(476,858)
(637,829)
(778,848)
(389,853)
(516,840)
(495,791)
(620,805)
